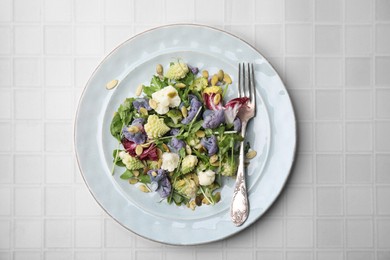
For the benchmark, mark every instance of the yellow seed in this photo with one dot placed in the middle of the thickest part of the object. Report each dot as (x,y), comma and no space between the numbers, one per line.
(188,149)
(251,154)
(220,75)
(133,129)
(133,180)
(200,133)
(180,85)
(166,148)
(153,103)
(143,188)
(159,69)
(145,145)
(146,169)
(143,111)
(172,94)
(112,84)
(154,174)
(214,80)
(159,163)
(217,99)
(184,111)
(205,74)
(227,79)
(139,89)
(138,150)
(205,201)
(198,146)
(136,173)
(213,158)
(215,163)
(159,153)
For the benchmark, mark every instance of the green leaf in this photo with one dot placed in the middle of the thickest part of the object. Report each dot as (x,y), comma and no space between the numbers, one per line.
(117,160)
(116,127)
(126,175)
(144,178)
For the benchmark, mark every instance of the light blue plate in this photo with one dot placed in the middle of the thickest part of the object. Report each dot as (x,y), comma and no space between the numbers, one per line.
(272,133)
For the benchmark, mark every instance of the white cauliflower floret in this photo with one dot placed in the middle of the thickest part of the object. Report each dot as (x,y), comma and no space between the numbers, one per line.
(170,161)
(177,70)
(131,162)
(155,127)
(165,98)
(206,177)
(188,164)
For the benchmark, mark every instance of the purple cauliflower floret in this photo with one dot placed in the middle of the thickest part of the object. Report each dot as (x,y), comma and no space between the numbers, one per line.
(237,124)
(210,144)
(174,131)
(160,182)
(138,137)
(175,145)
(141,102)
(195,105)
(213,119)
(194,70)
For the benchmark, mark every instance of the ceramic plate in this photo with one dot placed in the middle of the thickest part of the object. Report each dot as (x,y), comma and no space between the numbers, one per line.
(272,133)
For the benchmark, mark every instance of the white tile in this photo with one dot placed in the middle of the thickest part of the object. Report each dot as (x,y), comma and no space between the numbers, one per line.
(269,233)
(58,40)
(299,10)
(27,72)
(328,39)
(117,255)
(28,104)
(299,72)
(299,255)
(58,201)
(28,201)
(6,255)
(329,168)
(359,233)
(28,168)
(58,72)
(57,10)
(299,39)
(199,255)
(358,71)
(330,201)
(203,14)
(27,10)
(329,137)
(88,10)
(88,233)
(27,255)
(186,14)
(52,132)
(330,233)
(358,11)
(243,32)
(303,169)
(382,131)
(299,201)
(383,255)
(305,144)
(87,255)
(299,233)
(6,168)
(356,255)
(5,202)
(303,101)
(382,200)
(116,35)
(5,134)
(28,39)
(6,10)
(358,104)
(358,137)
(382,75)
(323,99)
(382,10)
(30,142)
(382,164)
(358,168)
(269,255)
(119,11)
(58,169)
(58,233)
(358,40)
(359,201)
(27,233)
(5,231)
(58,255)
(383,234)
(269,40)
(6,72)
(88,40)
(240,11)
(329,10)
(58,104)
(334,255)
(5,40)
(85,204)
(5,104)
(269,11)
(382,104)
(328,71)
(83,69)
(116,235)
(382,39)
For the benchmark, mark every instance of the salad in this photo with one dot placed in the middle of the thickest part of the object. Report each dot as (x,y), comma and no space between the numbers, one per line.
(178,136)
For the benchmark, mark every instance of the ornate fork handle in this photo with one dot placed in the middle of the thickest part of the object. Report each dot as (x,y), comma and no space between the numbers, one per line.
(240,205)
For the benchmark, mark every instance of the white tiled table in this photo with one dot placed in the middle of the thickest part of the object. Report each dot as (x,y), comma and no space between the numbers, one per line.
(334,56)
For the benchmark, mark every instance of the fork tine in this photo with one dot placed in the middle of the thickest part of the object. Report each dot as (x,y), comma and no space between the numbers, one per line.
(240,80)
(252,92)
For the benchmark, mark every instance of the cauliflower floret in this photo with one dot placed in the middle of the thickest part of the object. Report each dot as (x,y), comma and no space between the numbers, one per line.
(188,164)
(228,168)
(165,98)
(206,177)
(177,70)
(170,161)
(131,162)
(187,186)
(155,127)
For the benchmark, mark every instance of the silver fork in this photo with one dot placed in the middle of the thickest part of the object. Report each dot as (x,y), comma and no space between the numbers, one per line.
(239,208)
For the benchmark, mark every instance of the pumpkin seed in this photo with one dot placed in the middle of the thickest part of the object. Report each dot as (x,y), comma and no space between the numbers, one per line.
(213,158)
(217,99)
(138,150)
(143,111)
(153,103)
(227,79)
(205,74)
(112,84)
(188,149)
(154,174)
(180,85)
(136,173)
(200,133)
(139,89)
(184,111)
(214,80)
(143,188)
(133,180)
(159,69)
(166,148)
(133,129)
(251,154)
(172,94)
(159,153)
(220,75)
